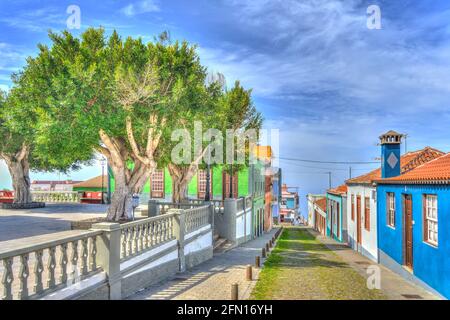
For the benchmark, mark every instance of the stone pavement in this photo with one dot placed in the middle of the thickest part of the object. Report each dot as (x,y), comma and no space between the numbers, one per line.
(15,224)
(212,279)
(393,285)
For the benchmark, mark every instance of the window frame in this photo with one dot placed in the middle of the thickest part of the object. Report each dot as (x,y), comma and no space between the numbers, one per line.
(367,213)
(390,209)
(158,193)
(353,207)
(201,183)
(427,219)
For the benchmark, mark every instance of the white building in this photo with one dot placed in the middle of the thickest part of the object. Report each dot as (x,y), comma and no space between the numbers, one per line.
(65,185)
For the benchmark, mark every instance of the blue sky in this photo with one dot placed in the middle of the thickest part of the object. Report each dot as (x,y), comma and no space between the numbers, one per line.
(318,74)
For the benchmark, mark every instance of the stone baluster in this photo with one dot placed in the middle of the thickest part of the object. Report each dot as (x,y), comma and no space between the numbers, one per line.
(93,254)
(74,261)
(145,235)
(84,256)
(7,279)
(38,269)
(51,266)
(23,276)
(123,240)
(63,263)
(130,241)
(141,237)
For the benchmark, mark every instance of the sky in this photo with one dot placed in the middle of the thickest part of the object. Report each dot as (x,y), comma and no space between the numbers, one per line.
(329,83)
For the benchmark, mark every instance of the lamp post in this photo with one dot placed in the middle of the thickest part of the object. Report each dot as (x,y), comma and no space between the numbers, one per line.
(208,178)
(103,162)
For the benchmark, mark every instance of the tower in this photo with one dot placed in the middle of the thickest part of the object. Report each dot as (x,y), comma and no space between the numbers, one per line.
(390,154)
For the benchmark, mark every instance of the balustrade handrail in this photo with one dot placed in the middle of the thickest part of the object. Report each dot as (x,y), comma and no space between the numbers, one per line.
(23,249)
(144,221)
(198,217)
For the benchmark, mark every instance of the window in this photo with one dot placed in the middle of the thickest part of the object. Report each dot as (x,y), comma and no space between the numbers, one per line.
(201,181)
(353,207)
(390,209)
(430,219)
(157,186)
(367,213)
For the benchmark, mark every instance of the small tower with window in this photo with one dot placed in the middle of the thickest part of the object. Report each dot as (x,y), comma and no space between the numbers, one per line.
(390,154)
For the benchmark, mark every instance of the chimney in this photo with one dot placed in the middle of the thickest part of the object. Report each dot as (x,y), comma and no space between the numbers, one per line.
(390,154)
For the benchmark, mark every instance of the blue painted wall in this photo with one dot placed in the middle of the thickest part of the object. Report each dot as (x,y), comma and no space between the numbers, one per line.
(430,264)
(386,170)
(290,203)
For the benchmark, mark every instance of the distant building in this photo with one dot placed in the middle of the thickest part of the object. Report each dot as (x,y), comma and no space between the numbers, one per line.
(289,204)
(337,213)
(319,208)
(48,185)
(276,194)
(94,184)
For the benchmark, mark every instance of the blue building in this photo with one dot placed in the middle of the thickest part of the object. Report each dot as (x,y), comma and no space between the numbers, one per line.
(414,224)
(276,195)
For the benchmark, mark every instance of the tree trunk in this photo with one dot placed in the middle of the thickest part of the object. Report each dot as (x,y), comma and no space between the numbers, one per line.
(179,190)
(19,169)
(181,176)
(126,185)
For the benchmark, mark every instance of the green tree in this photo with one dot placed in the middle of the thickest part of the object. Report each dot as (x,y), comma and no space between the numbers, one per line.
(222,110)
(112,96)
(18,134)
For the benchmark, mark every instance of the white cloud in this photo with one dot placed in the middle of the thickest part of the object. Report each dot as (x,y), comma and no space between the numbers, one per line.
(40,20)
(310,48)
(140,7)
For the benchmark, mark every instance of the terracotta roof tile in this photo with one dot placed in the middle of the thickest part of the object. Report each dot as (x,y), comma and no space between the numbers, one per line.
(408,162)
(436,171)
(95,182)
(322,204)
(338,190)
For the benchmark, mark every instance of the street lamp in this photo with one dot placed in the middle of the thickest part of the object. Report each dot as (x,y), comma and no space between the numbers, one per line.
(103,162)
(208,177)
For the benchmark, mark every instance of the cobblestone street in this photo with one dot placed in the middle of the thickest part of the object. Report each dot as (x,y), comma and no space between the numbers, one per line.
(300,267)
(305,265)
(212,279)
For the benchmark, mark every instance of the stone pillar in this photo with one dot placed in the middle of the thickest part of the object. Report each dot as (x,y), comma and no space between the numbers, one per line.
(108,256)
(153,208)
(229,223)
(179,231)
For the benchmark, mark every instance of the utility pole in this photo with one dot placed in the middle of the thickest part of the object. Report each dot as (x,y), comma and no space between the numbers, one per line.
(406,142)
(329,179)
(350,172)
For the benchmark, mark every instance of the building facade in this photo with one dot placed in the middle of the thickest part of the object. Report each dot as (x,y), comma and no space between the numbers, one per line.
(289,204)
(320,215)
(414,224)
(337,214)
(362,192)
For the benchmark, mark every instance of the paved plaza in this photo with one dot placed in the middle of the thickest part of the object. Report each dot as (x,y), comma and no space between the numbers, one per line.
(16,224)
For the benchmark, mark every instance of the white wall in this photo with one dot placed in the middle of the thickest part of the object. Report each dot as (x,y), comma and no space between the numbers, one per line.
(201,242)
(369,246)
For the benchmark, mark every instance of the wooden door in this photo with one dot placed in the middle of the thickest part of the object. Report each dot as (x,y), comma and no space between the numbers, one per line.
(226,185)
(408,241)
(316,217)
(358,219)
